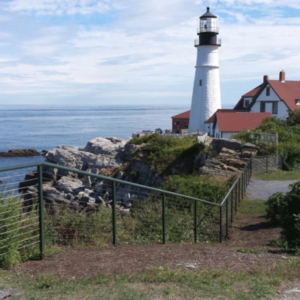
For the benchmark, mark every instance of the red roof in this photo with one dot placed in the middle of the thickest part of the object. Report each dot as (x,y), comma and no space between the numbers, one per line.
(288,91)
(252,93)
(239,121)
(184,115)
(212,118)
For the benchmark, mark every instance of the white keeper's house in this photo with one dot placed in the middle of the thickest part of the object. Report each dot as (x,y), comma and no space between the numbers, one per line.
(273,97)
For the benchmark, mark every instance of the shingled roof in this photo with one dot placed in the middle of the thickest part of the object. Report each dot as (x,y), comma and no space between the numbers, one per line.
(184,115)
(252,93)
(239,121)
(288,91)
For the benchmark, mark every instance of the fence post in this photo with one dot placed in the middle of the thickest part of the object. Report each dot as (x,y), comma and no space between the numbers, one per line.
(227,216)
(236,196)
(41,212)
(163,203)
(267,165)
(221,224)
(114,214)
(231,206)
(196,221)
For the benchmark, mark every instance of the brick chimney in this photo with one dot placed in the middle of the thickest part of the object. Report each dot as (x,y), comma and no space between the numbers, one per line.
(266,78)
(282,76)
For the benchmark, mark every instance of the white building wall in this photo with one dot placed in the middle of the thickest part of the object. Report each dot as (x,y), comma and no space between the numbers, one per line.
(228,135)
(206,97)
(282,108)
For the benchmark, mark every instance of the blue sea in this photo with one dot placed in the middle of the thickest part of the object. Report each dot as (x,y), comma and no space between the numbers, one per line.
(45,128)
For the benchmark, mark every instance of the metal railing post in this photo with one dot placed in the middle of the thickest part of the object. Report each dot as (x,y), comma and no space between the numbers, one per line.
(236,196)
(196,221)
(227,217)
(114,214)
(164,218)
(231,202)
(41,212)
(221,224)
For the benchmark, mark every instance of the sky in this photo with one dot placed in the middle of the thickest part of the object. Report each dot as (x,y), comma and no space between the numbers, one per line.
(138,52)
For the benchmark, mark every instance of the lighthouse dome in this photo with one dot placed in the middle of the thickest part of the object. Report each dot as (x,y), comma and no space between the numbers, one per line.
(208,14)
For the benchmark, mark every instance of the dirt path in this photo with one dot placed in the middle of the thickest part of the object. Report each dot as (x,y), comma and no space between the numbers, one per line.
(262,189)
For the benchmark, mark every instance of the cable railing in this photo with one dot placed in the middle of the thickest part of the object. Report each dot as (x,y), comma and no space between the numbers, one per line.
(97,210)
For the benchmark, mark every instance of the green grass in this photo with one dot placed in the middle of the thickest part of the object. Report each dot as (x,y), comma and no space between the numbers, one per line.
(252,207)
(279,175)
(168,154)
(157,283)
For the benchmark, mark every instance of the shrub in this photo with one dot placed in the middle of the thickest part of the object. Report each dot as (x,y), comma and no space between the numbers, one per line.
(195,186)
(9,228)
(275,204)
(290,152)
(284,210)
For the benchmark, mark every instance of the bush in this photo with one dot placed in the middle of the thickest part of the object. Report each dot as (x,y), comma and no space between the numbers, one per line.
(275,204)
(195,186)
(9,229)
(290,152)
(284,210)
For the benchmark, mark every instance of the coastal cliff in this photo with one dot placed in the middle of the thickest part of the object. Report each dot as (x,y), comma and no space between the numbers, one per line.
(148,161)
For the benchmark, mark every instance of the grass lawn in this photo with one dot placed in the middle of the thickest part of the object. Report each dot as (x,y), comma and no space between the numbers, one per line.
(157,283)
(252,207)
(279,175)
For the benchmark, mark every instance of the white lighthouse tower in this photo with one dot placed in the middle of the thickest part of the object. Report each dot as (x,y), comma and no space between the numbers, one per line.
(206,94)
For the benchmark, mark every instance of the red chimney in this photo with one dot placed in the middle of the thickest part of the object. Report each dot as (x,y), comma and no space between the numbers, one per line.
(282,76)
(266,78)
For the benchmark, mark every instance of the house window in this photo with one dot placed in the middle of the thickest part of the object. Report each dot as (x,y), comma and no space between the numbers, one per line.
(247,102)
(186,124)
(262,106)
(275,108)
(268,91)
(298,102)
(176,123)
(200,82)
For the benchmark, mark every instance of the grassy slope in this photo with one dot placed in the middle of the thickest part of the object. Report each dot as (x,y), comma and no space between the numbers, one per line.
(162,283)
(157,283)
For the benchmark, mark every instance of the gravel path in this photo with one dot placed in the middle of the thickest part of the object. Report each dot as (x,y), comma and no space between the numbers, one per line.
(262,189)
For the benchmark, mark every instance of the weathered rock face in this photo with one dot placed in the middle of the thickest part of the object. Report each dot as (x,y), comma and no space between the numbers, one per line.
(105,156)
(85,193)
(228,158)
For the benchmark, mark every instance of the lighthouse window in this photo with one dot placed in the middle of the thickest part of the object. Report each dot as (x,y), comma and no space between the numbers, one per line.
(200,82)
(268,91)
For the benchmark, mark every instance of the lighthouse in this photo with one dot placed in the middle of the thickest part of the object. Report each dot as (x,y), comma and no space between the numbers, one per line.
(206,98)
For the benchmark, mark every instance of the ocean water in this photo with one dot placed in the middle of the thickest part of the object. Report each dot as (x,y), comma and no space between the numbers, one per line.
(45,128)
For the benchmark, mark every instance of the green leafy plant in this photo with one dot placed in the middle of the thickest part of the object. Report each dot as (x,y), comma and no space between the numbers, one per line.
(284,210)
(9,229)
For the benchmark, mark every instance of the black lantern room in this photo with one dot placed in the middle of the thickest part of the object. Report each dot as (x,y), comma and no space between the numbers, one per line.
(208,30)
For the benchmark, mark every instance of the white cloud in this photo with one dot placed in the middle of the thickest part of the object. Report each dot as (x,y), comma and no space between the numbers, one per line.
(147,51)
(59,7)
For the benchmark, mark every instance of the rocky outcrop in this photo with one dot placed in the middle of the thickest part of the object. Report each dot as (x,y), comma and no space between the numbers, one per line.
(114,157)
(20,153)
(101,156)
(228,158)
